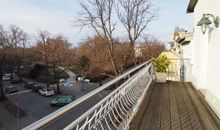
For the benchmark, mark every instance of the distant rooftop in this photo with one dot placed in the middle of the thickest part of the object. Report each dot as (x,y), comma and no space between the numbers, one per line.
(182,36)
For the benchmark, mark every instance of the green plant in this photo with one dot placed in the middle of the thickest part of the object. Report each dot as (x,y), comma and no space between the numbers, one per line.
(161,63)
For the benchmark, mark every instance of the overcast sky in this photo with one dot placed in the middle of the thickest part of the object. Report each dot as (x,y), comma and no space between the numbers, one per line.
(57,16)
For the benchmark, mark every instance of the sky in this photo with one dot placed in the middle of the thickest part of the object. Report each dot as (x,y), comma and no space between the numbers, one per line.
(58,16)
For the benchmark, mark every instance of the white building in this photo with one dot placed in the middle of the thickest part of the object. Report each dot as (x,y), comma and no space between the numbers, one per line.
(182,38)
(205,50)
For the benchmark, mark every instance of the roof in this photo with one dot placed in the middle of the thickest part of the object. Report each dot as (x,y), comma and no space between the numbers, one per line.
(181,36)
(186,39)
(191,6)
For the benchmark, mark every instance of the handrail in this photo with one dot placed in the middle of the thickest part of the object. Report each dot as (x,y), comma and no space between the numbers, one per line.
(118,108)
(56,114)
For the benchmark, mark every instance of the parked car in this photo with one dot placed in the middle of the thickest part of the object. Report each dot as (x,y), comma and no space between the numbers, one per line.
(80,79)
(46,92)
(62,101)
(87,80)
(11,89)
(36,87)
(6,78)
(29,84)
(61,80)
(83,79)
(15,80)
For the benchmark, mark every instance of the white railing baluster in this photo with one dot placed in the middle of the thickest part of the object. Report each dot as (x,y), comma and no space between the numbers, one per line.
(118,105)
(126,99)
(125,103)
(111,120)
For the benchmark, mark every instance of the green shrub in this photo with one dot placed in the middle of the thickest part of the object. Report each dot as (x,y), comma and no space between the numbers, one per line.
(38,70)
(161,63)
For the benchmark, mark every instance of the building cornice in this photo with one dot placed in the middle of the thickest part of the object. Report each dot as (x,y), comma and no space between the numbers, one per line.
(191,6)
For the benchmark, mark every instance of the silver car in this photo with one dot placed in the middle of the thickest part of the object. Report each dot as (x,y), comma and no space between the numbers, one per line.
(11,89)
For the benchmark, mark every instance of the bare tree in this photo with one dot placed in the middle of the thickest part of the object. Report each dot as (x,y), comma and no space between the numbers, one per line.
(151,47)
(3,45)
(12,42)
(42,44)
(102,16)
(99,65)
(135,15)
(54,51)
(98,14)
(97,52)
(17,40)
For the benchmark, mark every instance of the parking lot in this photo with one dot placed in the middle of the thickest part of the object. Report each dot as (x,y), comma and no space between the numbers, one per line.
(35,105)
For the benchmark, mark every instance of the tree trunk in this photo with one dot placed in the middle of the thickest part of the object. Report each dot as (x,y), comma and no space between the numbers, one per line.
(113,61)
(19,68)
(100,81)
(55,79)
(129,53)
(2,94)
(58,87)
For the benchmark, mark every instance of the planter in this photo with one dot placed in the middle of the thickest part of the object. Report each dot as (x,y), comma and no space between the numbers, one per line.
(161,77)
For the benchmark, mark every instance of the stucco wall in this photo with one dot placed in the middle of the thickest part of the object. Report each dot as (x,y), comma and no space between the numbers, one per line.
(186,51)
(206,54)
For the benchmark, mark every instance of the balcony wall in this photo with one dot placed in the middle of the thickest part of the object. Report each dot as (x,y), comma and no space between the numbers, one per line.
(205,54)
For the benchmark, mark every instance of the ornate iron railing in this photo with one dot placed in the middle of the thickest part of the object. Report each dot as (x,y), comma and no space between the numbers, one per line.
(115,111)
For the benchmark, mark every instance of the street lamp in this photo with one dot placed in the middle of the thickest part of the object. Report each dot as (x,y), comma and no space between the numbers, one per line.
(205,21)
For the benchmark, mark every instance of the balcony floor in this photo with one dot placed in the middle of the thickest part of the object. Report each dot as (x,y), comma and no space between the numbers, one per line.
(174,106)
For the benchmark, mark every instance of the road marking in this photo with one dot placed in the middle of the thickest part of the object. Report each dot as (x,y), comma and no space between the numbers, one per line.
(26,91)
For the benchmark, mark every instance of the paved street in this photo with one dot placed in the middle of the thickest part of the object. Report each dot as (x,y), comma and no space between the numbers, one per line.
(70,116)
(37,106)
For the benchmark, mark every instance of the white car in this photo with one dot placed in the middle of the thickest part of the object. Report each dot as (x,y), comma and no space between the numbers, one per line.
(62,80)
(87,80)
(6,78)
(46,92)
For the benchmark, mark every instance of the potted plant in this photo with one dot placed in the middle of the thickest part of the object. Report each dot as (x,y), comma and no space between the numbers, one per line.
(160,65)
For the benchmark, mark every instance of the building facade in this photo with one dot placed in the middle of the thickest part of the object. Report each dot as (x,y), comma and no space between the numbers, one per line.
(205,51)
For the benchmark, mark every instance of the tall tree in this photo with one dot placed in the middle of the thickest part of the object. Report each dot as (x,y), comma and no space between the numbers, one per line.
(55,51)
(102,16)
(13,40)
(42,43)
(3,45)
(95,49)
(151,47)
(17,40)
(135,15)
(98,14)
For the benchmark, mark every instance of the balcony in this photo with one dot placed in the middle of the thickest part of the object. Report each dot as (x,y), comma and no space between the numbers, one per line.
(174,106)
(134,101)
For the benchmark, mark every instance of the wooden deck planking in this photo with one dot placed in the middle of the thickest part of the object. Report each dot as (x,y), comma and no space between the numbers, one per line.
(150,110)
(193,116)
(165,108)
(174,112)
(169,106)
